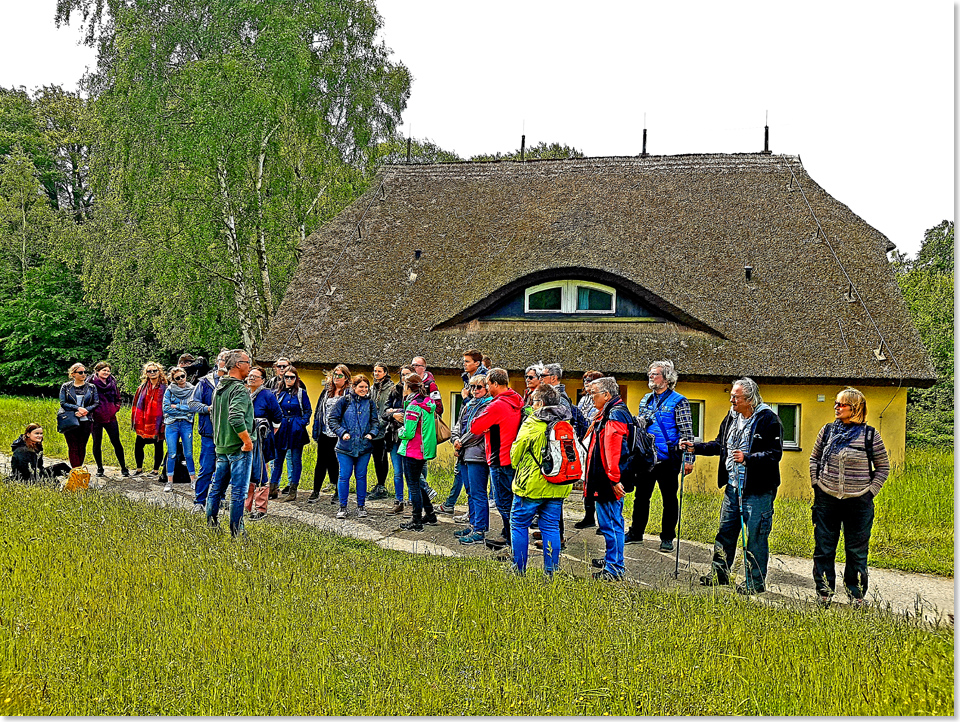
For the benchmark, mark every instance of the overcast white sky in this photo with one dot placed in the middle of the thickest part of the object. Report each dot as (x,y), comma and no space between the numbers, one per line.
(863,92)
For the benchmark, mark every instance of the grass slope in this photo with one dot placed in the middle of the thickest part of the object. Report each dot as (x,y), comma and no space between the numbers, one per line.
(113,607)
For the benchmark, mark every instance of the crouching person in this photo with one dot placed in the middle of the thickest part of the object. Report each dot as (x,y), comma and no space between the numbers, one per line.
(534,494)
(749,444)
(606,464)
(232,428)
(26,462)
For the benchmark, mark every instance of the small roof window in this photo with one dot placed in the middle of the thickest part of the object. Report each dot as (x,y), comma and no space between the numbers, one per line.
(574,297)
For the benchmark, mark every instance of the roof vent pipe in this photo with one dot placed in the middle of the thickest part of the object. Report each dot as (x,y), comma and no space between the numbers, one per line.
(408,150)
(766,140)
(523,146)
(643,153)
(748,272)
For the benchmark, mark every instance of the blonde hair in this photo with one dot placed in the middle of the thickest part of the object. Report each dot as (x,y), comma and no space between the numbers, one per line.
(75,367)
(162,376)
(858,404)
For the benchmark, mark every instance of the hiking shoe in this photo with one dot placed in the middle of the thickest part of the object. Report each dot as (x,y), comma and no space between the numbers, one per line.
(291,496)
(326,489)
(125,473)
(631,537)
(137,472)
(257,515)
(666,545)
(473,538)
(100,473)
(712,580)
(598,563)
(397,508)
(431,494)
(463,532)
(585,523)
(274,491)
(539,544)
(497,542)
(537,534)
(379,492)
(313,498)
(335,499)
(444,509)
(747,590)
(361,512)
(285,490)
(605,576)
(411,526)
(431,519)
(462,518)
(342,514)
(168,486)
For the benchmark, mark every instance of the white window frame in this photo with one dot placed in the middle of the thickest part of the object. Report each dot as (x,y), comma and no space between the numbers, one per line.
(796,428)
(568,297)
(698,432)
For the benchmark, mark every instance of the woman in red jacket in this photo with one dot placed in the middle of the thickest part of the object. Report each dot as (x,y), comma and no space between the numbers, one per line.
(147,416)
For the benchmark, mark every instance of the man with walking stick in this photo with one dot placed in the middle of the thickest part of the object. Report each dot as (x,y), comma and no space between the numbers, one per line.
(669,420)
(750,445)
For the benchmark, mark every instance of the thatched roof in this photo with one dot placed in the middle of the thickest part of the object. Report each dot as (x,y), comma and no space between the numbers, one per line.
(674,231)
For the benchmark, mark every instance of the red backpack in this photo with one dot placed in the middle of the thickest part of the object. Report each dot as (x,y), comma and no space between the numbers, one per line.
(563,454)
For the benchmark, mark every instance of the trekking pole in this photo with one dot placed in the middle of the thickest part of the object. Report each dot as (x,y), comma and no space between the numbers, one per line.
(743,536)
(683,473)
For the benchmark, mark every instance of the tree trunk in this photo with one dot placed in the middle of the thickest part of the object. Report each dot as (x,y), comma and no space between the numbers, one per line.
(241,290)
(261,246)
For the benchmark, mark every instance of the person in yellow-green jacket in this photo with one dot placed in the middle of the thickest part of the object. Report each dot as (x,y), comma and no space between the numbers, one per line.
(533,494)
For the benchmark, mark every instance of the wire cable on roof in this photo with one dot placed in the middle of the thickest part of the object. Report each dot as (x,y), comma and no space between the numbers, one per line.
(356,229)
(883,341)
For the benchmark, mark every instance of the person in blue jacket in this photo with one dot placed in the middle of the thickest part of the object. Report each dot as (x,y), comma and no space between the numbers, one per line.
(201,402)
(267,417)
(355,421)
(292,435)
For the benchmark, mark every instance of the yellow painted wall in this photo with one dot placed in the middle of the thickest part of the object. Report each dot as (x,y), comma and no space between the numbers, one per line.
(794,468)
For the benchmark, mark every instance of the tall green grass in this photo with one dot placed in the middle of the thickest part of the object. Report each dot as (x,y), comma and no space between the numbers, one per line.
(113,607)
(913,529)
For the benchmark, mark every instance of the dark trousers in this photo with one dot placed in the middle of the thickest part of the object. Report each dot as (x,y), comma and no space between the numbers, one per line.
(327,464)
(381,460)
(138,449)
(113,433)
(77,438)
(665,474)
(855,517)
(412,472)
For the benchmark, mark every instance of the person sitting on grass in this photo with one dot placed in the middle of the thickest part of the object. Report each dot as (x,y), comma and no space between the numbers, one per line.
(533,494)
(26,464)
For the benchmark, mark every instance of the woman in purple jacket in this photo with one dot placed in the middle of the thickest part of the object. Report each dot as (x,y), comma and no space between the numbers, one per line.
(105,417)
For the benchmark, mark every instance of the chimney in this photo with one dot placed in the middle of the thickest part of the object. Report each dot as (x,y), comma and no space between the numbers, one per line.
(644,153)
(766,140)
(523,145)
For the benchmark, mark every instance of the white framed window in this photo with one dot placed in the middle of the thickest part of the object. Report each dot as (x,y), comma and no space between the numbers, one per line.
(790,418)
(456,404)
(696,416)
(570,297)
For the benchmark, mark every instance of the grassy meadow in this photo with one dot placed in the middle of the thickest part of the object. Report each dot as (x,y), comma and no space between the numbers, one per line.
(913,530)
(113,607)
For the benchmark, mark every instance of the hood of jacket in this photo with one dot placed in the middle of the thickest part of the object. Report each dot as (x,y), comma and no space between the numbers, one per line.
(551,414)
(18,443)
(181,394)
(510,397)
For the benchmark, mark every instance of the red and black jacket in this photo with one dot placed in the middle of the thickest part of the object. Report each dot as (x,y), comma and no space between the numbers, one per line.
(609,452)
(500,421)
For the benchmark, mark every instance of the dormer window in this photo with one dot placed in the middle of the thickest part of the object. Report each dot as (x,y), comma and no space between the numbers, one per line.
(574,297)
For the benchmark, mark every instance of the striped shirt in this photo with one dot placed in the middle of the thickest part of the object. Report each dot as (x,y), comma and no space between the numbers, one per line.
(846,474)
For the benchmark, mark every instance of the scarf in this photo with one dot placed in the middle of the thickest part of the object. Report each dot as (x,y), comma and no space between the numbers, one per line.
(841,436)
(741,440)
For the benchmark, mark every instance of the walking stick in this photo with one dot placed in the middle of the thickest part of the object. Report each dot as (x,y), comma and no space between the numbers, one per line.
(683,473)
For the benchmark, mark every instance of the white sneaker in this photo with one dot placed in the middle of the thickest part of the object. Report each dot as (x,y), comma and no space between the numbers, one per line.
(462,518)
(492,504)
(431,494)
(169,486)
(342,514)
(361,512)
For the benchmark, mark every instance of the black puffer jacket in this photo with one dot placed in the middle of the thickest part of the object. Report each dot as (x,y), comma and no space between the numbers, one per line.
(763,459)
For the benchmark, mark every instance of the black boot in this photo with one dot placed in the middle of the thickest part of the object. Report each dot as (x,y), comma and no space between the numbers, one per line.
(415,524)
(274,491)
(588,520)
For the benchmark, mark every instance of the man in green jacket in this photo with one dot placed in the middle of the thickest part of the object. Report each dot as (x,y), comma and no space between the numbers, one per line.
(533,494)
(232,414)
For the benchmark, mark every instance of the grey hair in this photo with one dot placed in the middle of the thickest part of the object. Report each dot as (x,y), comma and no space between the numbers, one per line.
(537,368)
(751,392)
(233,357)
(668,371)
(607,384)
(498,376)
(547,394)
(553,370)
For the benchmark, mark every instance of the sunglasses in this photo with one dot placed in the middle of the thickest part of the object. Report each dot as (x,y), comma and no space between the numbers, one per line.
(339,376)
(151,372)
(838,405)
(280,366)
(290,376)
(477,386)
(80,373)
(530,376)
(179,378)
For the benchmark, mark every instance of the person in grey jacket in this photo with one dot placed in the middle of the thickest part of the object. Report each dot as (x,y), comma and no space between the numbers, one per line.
(380,392)
(472,459)
(178,413)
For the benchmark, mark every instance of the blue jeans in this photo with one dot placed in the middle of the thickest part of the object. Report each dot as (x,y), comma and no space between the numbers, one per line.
(294,459)
(502,481)
(208,464)
(182,430)
(476,474)
(352,466)
(397,472)
(758,519)
(610,522)
(522,513)
(233,469)
(459,479)
(830,515)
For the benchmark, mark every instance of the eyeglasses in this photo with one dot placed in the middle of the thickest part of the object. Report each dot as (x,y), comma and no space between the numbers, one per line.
(339,376)
(244,362)
(419,366)
(291,377)
(151,372)
(839,405)
(654,374)
(181,377)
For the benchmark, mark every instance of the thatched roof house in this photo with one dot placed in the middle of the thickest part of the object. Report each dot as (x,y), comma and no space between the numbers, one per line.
(605,263)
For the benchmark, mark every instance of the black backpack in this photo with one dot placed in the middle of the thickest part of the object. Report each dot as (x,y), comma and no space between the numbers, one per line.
(869,435)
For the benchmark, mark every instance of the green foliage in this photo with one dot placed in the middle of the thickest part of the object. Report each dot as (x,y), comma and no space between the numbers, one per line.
(927,286)
(394,150)
(540,151)
(110,606)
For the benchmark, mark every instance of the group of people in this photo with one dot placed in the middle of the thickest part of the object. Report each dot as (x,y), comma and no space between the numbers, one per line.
(248,421)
